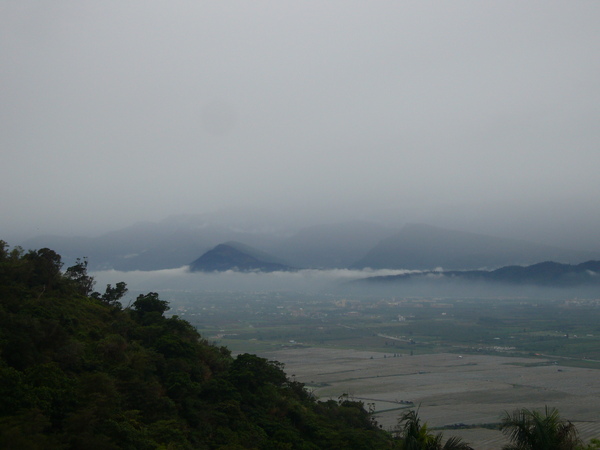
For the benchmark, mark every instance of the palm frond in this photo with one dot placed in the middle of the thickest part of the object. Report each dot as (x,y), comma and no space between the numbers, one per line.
(527,429)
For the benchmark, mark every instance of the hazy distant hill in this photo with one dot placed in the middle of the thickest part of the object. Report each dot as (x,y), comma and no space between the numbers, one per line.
(239,257)
(331,245)
(177,240)
(426,247)
(172,242)
(548,273)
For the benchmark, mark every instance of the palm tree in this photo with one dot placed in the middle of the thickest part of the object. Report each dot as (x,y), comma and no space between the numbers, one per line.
(415,436)
(532,430)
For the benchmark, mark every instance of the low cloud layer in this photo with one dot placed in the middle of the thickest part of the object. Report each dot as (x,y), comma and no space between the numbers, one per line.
(338,282)
(182,279)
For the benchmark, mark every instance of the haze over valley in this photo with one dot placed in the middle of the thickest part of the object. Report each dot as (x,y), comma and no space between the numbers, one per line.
(397,199)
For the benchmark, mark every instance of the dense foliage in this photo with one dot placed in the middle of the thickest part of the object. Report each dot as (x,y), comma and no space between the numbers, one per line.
(79,371)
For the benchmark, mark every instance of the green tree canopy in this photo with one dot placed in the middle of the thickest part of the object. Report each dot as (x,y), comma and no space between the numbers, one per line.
(150,303)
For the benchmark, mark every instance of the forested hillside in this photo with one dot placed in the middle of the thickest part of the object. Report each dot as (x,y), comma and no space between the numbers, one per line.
(78,370)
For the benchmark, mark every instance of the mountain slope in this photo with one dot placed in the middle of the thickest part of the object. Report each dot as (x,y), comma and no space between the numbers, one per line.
(238,257)
(425,247)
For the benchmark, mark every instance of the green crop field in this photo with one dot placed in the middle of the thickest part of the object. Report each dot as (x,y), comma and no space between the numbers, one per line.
(568,330)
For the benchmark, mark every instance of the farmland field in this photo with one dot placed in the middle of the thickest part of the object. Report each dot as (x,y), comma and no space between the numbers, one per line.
(449,389)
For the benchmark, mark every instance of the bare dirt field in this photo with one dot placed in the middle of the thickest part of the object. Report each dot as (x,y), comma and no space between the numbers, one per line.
(450,389)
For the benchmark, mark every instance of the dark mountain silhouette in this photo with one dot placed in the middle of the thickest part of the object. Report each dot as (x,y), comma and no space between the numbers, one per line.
(239,257)
(424,247)
(548,273)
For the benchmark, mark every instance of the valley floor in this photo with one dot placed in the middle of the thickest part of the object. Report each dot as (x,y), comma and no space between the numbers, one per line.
(449,389)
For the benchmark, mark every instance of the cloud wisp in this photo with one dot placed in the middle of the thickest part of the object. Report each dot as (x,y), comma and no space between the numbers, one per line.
(232,281)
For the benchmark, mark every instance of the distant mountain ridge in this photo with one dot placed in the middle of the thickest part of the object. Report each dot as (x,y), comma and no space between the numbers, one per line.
(238,257)
(548,273)
(175,241)
(425,247)
(169,243)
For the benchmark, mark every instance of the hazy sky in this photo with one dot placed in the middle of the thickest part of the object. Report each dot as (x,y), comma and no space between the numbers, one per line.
(113,112)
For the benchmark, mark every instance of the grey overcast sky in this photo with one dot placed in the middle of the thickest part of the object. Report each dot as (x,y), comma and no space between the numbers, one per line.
(114,112)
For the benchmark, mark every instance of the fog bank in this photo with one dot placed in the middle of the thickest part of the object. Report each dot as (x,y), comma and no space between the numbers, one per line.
(338,282)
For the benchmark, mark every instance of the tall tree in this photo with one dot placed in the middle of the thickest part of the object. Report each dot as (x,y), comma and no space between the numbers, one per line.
(79,275)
